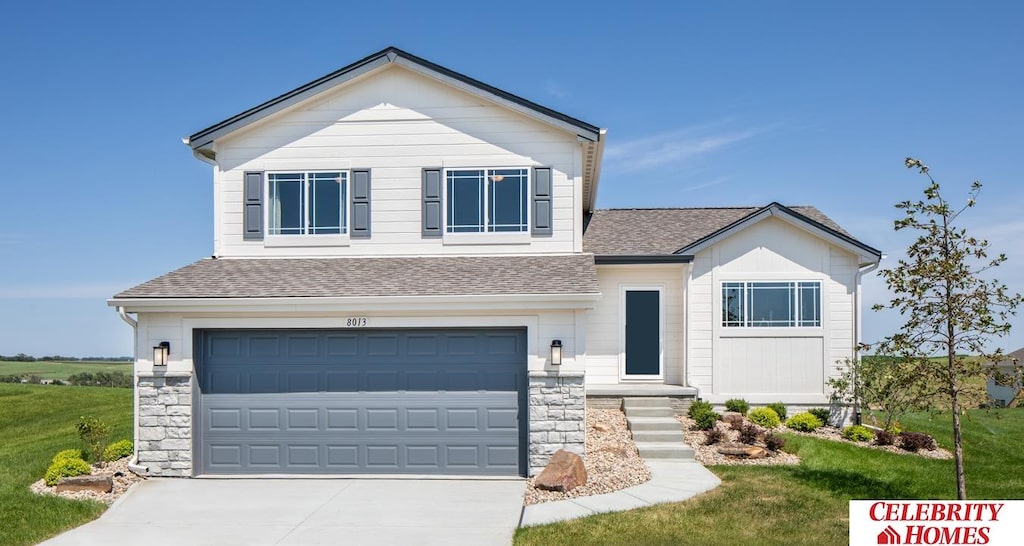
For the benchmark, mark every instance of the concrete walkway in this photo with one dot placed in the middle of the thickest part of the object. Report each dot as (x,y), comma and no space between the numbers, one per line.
(671,481)
(308,511)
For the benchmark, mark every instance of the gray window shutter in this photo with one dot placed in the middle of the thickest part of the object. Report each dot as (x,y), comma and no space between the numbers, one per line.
(359,227)
(542,194)
(432,203)
(252,215)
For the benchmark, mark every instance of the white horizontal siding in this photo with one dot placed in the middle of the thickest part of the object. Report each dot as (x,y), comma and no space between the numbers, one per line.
(765,363)
(395,123)
(604,330)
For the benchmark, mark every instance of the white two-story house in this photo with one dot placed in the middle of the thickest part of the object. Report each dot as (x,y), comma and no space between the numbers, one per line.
(409,275)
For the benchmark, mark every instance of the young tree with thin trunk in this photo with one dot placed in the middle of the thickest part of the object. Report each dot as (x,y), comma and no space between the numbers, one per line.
(951,305)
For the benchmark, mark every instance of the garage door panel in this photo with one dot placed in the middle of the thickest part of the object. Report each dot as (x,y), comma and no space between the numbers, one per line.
(378,402)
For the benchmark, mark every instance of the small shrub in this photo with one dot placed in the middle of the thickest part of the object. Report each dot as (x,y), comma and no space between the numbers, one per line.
(64,468)
(774,442)
(95,433)
(915,441)
(858,433)
(885,438)
(705,420)
(714,435)
(749,434)
(822,414)
(737,424)
(68,454)
(738,405)
(779,408)
(697,407)
(118,450)
(766,417)
(895,427)
(804,422)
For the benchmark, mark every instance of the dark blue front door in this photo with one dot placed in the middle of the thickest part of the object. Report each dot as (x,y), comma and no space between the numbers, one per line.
(643,332)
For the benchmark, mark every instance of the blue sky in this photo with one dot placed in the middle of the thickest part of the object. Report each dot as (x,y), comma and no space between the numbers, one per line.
(724,103)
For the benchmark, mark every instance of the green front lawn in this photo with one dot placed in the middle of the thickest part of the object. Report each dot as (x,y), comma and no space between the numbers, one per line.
(36,421)
(808,503)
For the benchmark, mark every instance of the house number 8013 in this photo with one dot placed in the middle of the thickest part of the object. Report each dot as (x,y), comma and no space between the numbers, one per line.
(355,322)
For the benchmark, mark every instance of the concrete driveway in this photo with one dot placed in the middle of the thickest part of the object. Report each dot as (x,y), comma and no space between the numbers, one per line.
(308,511)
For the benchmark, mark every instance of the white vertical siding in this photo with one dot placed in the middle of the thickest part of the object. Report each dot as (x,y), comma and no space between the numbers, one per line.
(767,364)
(604,329)
(395,123)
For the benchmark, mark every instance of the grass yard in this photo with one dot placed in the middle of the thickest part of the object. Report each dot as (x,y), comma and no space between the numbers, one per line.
(807,504)
(61,370)
(36,421)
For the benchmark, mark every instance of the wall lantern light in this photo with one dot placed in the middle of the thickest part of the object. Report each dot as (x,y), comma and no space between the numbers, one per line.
(556,352)
(162,353)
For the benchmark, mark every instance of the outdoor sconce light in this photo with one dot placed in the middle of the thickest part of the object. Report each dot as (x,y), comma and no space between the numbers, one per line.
(162,353)
(556,352)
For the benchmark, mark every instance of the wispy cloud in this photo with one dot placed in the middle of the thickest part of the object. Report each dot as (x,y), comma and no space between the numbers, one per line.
(707,184)
(84,290)
(555,89)
(672,147)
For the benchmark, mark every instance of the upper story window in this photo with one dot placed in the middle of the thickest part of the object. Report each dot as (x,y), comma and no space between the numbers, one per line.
(307,203)
(771,304)
(487,200)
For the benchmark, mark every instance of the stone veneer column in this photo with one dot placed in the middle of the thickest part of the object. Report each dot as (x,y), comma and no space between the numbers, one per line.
(557,416)
(165,424)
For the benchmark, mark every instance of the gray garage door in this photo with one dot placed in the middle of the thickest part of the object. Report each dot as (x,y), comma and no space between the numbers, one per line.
(361,401)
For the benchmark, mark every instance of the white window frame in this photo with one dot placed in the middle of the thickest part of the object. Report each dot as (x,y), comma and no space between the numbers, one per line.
(307,239)
(646,378)
(486,237)
(795,302)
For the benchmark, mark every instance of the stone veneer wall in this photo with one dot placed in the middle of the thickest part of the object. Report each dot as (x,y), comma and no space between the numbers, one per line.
(165,425)
(557,416)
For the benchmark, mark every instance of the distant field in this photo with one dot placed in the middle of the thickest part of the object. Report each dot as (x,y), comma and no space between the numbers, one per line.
(61,370)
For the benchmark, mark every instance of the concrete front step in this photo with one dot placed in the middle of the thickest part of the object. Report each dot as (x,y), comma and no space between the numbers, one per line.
(647,402)
(658,450)
(652,423)
(658,436)
(650,412)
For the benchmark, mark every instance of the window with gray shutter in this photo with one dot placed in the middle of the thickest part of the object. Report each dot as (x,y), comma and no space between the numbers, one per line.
(252,213)
(432,203)
(542,198)
(360,228)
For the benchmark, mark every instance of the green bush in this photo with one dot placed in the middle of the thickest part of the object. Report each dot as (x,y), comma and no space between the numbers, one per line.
(63,468)
(823,414)
(95,433)
(780,409)
(738,405)
(766,417)
(68,454)
(706,419)
(804,422)
(858,433)
(697,407)
(118,450)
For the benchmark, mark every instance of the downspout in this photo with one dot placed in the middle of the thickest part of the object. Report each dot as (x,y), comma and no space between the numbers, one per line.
(133,464)
(857,317)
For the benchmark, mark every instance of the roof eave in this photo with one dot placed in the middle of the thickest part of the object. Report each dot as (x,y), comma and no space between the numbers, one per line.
(467,302)
(867,254)
(204,138)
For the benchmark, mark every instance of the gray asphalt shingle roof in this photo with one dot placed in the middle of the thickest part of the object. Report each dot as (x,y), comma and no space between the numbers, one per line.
(352,277)
(665,231)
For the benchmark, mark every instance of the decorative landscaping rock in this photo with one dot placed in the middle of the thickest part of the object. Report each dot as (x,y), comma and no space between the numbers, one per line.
(743,451)
(99,484)
(601,427)
(731,417)
(563,473)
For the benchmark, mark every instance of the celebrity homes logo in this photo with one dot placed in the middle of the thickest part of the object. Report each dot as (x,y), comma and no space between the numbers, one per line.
(936,522)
